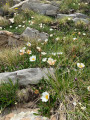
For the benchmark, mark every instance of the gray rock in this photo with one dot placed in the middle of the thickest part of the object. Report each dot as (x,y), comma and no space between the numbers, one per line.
(80,15)
(60,16)
(72,15)
(76,15)
(76,20)
(27,76)
(39,7)
(51,12)
(34,34)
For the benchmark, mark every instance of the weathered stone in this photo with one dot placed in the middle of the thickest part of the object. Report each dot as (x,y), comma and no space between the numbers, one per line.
(26,76)
(60,16)
(80,15)
(76,15)
(51,13)
(39,7)
(27,115)
(34,34)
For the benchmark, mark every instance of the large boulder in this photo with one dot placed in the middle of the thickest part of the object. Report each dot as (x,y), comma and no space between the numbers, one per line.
(34,34)
(41,8)
(27,76)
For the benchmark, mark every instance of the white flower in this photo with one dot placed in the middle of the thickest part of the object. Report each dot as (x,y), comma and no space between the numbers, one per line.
(86,3)
(41,25)
(51,35)
(54,53)
(0,28)
(84,34)
(32,17)
(29,52)
(45,97)
(31,22)
(51,61)
(57,38)
(74,39)
(32,58)
(83,108)
(46,40)
(24,48)
(69,18)
(39,39)
(59,53)
(79,103)
(51,29)
(88,88)
(15,103)
(44,59)
(19,25)
(23,26)
(12,20)
(23,22)
(74,103)
(43,53)
(0,112)
(80,65)
(38,48)
(16,27)
(28,44)
(10,26)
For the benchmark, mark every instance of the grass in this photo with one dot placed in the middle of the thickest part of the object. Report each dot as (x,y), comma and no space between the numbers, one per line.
(69,81)
(3,22)
(8,94)
(75,5)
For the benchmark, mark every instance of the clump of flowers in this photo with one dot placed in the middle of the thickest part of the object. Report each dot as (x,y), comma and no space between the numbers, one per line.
(29,52)
(51,61)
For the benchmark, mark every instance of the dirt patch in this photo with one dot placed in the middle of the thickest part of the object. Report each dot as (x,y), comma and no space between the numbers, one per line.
(8,39)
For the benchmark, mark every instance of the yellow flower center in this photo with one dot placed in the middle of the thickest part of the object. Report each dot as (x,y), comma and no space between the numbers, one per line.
(81,66)
(46,97)
(33,58)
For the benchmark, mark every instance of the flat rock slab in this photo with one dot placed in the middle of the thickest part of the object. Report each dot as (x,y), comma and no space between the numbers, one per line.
(27,76)
(23,115)
(34,34)
(76,15)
